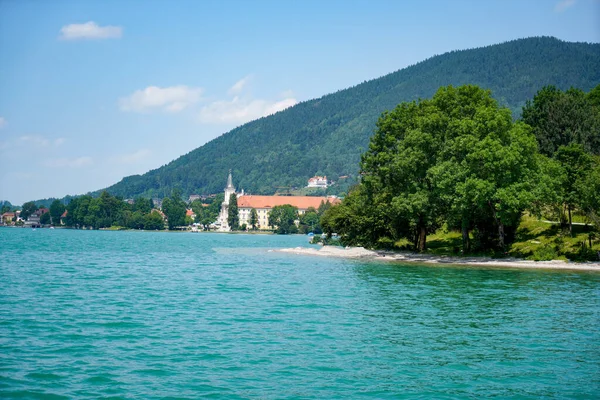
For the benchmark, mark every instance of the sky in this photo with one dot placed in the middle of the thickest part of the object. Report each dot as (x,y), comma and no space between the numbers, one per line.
(93,91)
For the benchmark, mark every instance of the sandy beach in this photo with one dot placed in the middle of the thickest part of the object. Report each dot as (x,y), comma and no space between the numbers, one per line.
(378,255)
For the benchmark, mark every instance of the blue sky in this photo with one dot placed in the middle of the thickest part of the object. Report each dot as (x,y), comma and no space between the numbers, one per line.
(92,91)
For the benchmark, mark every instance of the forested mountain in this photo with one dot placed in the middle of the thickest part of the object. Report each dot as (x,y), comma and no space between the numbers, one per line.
(327,136)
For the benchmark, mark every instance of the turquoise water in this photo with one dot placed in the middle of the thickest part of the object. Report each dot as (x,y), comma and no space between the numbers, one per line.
(151,315)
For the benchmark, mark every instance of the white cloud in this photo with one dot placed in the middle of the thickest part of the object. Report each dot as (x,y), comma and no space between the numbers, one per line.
(69,162)
(132,158)
(40,141)
(170,99)
(2,122)
(563,5)
(239,85)
(90,30)
(241,110)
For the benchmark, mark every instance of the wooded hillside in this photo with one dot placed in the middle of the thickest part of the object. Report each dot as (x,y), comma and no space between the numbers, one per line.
(326,136)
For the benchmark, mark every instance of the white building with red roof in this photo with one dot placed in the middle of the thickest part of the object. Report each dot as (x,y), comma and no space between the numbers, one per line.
(264,204)
(318,182)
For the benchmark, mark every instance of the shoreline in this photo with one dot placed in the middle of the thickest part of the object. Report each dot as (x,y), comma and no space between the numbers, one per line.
(360,253)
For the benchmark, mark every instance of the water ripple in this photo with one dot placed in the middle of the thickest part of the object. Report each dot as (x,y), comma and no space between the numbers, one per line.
(120,315)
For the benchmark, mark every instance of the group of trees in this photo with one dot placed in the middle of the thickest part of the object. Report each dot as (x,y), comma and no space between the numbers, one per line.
(107,210)
(567,128)
(459,160)
(206,214)
(283,219)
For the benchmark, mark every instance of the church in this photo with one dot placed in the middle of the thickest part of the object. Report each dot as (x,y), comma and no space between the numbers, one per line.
(263,205)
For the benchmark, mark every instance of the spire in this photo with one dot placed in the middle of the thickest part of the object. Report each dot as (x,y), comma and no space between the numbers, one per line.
(229,180)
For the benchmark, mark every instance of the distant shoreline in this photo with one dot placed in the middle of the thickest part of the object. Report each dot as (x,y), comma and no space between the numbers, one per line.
(361,253)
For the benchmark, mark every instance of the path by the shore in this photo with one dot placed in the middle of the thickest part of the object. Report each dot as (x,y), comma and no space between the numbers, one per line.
(362,253)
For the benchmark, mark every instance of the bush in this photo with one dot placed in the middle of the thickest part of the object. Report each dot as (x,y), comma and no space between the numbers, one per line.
(544,253)
(385,243)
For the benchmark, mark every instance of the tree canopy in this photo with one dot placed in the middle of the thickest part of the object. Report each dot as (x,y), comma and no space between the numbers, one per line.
(457,159)
(233,217)
(174,209)
(283,219)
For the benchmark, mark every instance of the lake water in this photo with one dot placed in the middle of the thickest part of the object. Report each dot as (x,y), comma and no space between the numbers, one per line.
(148,315)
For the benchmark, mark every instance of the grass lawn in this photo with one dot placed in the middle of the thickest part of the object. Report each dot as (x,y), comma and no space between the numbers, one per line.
(535,240)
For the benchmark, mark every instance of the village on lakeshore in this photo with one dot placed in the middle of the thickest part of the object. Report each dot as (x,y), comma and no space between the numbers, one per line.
(238,211)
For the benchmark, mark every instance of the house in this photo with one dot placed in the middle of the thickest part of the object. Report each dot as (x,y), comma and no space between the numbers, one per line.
(34,219)
(7,218)
(263,205)
(317,182)
(190,213)
(63,216)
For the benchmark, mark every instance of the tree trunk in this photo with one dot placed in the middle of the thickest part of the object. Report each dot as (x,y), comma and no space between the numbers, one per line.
(501,235)
(570,222)
(466,242)
(416,233)
(422,238)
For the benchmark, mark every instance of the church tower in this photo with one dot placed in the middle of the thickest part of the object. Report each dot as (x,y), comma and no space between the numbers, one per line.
(224,214)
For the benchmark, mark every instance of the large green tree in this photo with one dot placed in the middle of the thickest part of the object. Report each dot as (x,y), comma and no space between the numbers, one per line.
(233,218)
(57,208)
(154,221)
(28,208)
(561,118)
(309,221)
(174,209)
(283,219)
(45,219)
(457,158)
(577,164)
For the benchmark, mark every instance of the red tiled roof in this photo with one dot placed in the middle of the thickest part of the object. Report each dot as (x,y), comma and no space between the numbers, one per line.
(64,214)
(301,202)
(189,213)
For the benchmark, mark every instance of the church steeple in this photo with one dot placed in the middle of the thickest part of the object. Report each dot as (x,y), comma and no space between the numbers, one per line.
(229,181)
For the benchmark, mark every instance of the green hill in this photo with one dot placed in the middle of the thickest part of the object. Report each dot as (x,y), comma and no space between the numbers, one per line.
(326,136)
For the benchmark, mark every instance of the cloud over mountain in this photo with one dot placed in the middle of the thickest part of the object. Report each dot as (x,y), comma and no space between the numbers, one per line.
(153,98)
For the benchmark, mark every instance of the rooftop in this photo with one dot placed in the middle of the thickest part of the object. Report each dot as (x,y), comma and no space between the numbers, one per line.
(301,202)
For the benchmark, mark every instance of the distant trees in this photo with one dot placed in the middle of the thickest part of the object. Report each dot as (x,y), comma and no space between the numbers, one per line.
(206,215)
(6,207)
(57,208)
(309,221)
(562,118)
(567,127)
(233,218)
(45,219)
(174,209)
(154,221)
(107,211)
(283,219)
(28,208)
